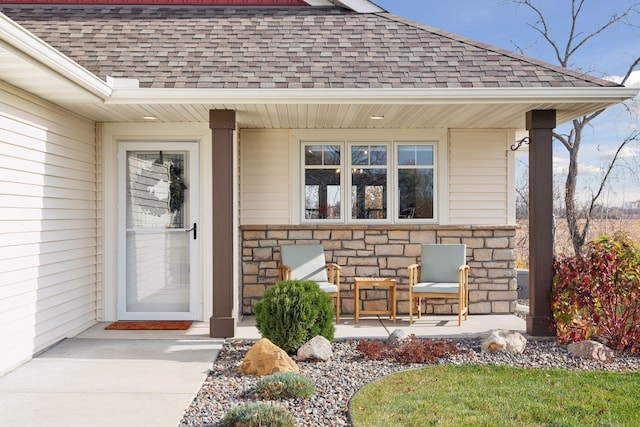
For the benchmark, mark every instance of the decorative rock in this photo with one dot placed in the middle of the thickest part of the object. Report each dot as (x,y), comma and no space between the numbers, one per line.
(501,341)
(397,337)
(591,350)
(317,348)
(266,358)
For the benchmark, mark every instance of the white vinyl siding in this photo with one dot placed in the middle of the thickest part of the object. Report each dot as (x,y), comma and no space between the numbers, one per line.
(48,225)
(265,177)
(478,177)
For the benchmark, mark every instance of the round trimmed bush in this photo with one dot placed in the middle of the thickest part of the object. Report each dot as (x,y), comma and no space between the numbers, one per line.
(294,311)
(285,385)
(257,415)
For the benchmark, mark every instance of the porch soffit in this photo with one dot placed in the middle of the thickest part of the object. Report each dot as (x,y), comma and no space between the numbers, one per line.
(33,65)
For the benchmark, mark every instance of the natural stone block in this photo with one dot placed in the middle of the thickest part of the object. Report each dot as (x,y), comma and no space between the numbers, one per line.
(477,296)
(413,250)
(367,271)
(277,234)
(399,262)
(422,237)
(504,255)
(399,235)
(301,234)
(353,244)
(450,240)
(261,254)
(480,308)
(385,250)
(364,261)
(253,290)
(455,233)
(502,307)
(254,235)
(341,235)
(250,267)
(376,239)
(497,242)
(482,254)
(322,234)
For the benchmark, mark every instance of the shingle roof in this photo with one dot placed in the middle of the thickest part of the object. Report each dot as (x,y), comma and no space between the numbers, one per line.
(289,47)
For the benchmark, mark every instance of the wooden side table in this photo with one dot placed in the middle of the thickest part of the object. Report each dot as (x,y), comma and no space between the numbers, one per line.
(374,283)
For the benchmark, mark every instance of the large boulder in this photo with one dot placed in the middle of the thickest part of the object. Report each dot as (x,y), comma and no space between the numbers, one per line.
(501,341)
(591,350)
(266,358)
(317,348)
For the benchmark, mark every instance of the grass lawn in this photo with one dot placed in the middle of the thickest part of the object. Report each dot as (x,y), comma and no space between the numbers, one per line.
(478,395)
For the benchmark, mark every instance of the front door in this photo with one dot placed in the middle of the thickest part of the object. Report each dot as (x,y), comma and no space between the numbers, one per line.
(158,236)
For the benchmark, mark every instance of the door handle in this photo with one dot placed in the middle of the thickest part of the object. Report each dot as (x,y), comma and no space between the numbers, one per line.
(194,229)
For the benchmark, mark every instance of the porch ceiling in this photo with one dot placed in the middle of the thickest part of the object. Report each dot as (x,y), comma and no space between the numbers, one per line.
(342,115)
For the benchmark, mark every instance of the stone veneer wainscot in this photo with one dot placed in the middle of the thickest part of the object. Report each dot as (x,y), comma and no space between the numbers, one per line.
(386,251)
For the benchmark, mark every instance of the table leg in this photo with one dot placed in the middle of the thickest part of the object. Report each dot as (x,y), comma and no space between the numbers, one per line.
(393,302)
(356,303)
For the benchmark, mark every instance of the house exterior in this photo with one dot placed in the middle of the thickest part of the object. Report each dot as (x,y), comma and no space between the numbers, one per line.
(154,157)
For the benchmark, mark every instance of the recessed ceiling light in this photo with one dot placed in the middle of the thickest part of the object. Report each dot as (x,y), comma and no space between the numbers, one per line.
(149,118)
(376,117)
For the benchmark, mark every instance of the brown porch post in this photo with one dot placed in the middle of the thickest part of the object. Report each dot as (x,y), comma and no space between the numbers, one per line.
(540,124)
(222,123)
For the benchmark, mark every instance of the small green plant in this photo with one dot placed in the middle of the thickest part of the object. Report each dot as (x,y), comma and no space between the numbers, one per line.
(293,312)
(598,294)
(285,385)
(257,415)
(412,350)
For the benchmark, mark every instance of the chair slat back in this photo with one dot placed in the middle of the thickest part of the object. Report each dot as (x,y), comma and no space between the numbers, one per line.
(440,262)
(307,262)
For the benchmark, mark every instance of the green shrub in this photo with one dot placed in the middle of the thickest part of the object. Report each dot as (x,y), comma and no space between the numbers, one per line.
(598,294)
(257,415)
(285,385)
(293,312)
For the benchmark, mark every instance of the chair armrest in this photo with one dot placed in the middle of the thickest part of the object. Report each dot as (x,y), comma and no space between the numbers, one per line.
(284,272)
(333,273)
(414,274)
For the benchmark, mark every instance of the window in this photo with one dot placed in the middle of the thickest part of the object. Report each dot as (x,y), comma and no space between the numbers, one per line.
(322,195)
(369,182)
(415,181)
(371,168)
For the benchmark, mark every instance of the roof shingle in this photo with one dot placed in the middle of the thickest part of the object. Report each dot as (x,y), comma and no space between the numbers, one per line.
(288,47)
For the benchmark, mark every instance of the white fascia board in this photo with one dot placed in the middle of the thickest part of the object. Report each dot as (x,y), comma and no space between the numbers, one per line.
(23,43)
(360,6)
(450,96)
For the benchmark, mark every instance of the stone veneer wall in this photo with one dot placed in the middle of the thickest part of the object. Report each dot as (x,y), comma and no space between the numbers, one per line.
(386,251)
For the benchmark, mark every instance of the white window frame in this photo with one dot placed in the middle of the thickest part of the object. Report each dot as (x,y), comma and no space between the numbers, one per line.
(345,181)
(396,189)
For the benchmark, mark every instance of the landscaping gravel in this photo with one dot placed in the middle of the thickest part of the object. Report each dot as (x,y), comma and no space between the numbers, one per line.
(338,379)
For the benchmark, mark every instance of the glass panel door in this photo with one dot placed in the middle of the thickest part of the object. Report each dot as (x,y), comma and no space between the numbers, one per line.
(159,271)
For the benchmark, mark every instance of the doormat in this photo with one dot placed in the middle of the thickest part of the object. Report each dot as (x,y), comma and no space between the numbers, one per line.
(150,326)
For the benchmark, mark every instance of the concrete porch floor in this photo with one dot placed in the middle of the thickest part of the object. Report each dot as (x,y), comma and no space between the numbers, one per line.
(148,378)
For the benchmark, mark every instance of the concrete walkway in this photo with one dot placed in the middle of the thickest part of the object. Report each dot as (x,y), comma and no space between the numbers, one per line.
(148,378)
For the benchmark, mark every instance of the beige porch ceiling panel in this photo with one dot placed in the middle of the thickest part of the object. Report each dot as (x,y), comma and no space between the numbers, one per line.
(342,116)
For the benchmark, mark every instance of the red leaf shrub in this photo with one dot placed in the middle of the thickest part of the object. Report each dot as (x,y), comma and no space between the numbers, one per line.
(412,350)
(598,294)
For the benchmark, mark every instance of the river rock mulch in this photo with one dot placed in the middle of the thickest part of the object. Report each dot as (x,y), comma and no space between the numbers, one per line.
(338,379)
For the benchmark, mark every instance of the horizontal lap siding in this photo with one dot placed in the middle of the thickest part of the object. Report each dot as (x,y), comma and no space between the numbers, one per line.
(478,177)
(265,177)
(48,225)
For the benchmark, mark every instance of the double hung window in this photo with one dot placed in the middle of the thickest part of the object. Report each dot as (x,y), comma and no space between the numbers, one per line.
(375,181)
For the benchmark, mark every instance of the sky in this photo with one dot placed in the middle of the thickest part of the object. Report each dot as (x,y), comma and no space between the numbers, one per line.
(504,24)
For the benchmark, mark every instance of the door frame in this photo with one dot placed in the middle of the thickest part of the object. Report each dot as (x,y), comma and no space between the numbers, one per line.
(195,256)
